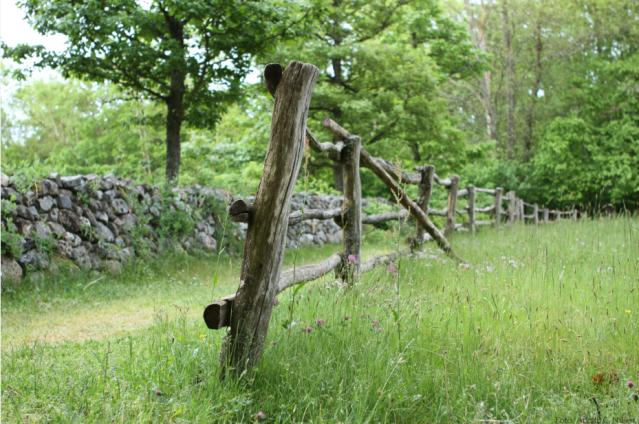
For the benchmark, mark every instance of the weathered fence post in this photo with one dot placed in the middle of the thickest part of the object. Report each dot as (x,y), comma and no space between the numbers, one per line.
(574,214)
(266,235)
(452,204)
(351,210)
(497,213)
(536,214)
(520,210)
(427,174)
(471,208)
(512,206)
(546,215)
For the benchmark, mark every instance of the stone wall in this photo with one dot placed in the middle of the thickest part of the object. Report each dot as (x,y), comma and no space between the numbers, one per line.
(92,222)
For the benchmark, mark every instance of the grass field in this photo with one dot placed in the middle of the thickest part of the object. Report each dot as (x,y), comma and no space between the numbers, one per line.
(543,326)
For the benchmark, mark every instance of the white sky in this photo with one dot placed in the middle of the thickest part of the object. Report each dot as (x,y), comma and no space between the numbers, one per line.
(14,29)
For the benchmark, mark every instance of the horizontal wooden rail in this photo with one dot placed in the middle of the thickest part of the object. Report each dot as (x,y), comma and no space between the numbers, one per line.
(485,190)
(383,217)
(218,313)
(486,209)
(302,215)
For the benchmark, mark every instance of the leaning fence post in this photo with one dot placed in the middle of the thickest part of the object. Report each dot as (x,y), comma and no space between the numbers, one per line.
(452,204)
(497,213)
(512,202)
(268,223)
(351,210)
(546,215)
(471,208)
(427,174)
(536,214)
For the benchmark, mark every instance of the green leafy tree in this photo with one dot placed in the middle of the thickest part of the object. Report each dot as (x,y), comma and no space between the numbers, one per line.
(190,55)
(384,64)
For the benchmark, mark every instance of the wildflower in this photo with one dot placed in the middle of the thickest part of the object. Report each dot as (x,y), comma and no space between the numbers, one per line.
(628,311)
(307,330)
(319,322)
(630,384)
(158,392)
(347,318)
(260,416)
(352,259)
(392,268)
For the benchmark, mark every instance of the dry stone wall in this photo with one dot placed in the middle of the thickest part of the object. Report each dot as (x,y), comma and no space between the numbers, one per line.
(101,223)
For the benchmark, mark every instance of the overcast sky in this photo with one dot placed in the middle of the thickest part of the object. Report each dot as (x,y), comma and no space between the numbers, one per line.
(14,29)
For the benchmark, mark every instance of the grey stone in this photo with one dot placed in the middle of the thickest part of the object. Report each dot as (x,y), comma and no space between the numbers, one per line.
(112,267)
(24,212)
(119,206)
(74,239)
(42,230)
(33,212)
(103,232)
(101,216)
(208,242)
(46,203)
(70,220)
(54,215)
(35,259)
(49,187)
(57,229)
(65,202)
(72,182)
(4,181)
(11,271)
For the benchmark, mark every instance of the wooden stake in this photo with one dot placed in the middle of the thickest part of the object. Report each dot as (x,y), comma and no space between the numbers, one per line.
(536,214)
(351,210)
(427,174)
(471,208)
(512,207)
(497,212)
(266,235)
(452,205)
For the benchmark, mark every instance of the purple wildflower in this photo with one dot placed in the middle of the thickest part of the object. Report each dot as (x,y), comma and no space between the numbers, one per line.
(260,416)
(319,322)
(630,384)
(307,330)
(352,259)
(392,268)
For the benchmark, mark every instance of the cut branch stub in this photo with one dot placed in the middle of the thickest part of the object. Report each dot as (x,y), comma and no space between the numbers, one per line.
(266,237)
(272,76)
(240,211)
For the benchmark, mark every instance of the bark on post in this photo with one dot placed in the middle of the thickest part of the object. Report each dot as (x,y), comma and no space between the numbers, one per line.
(574,214)
(351,210)
(536,214)
(471,208)
(427,174)
(266,236)
(520,210)
(452,205)
(512,206)
(546,215)
(498,192)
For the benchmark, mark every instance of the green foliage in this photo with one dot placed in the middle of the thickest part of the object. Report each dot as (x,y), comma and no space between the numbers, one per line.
(11,240)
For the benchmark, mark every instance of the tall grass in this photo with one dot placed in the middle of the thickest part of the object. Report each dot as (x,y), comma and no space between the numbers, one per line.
(517,336)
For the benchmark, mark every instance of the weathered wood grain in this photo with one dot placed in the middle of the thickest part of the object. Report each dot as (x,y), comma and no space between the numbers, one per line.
(266,235)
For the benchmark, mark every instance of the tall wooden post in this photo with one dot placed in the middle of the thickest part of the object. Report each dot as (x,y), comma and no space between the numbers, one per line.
(546,215)
(497,213)
(452,204)
(512,207)
(536,214)
(266,235)
(471,208)
(574,214)
(521,210)
(427,174)
(351,210)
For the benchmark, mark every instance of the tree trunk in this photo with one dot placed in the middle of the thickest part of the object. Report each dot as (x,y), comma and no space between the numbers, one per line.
(175,104)
(510,80)
(266,235)
(530,117)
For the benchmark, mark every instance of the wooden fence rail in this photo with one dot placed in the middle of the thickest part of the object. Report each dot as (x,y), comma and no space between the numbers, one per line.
(247,312)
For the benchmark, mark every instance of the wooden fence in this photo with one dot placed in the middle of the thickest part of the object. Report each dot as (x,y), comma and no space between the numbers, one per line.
(247,312)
